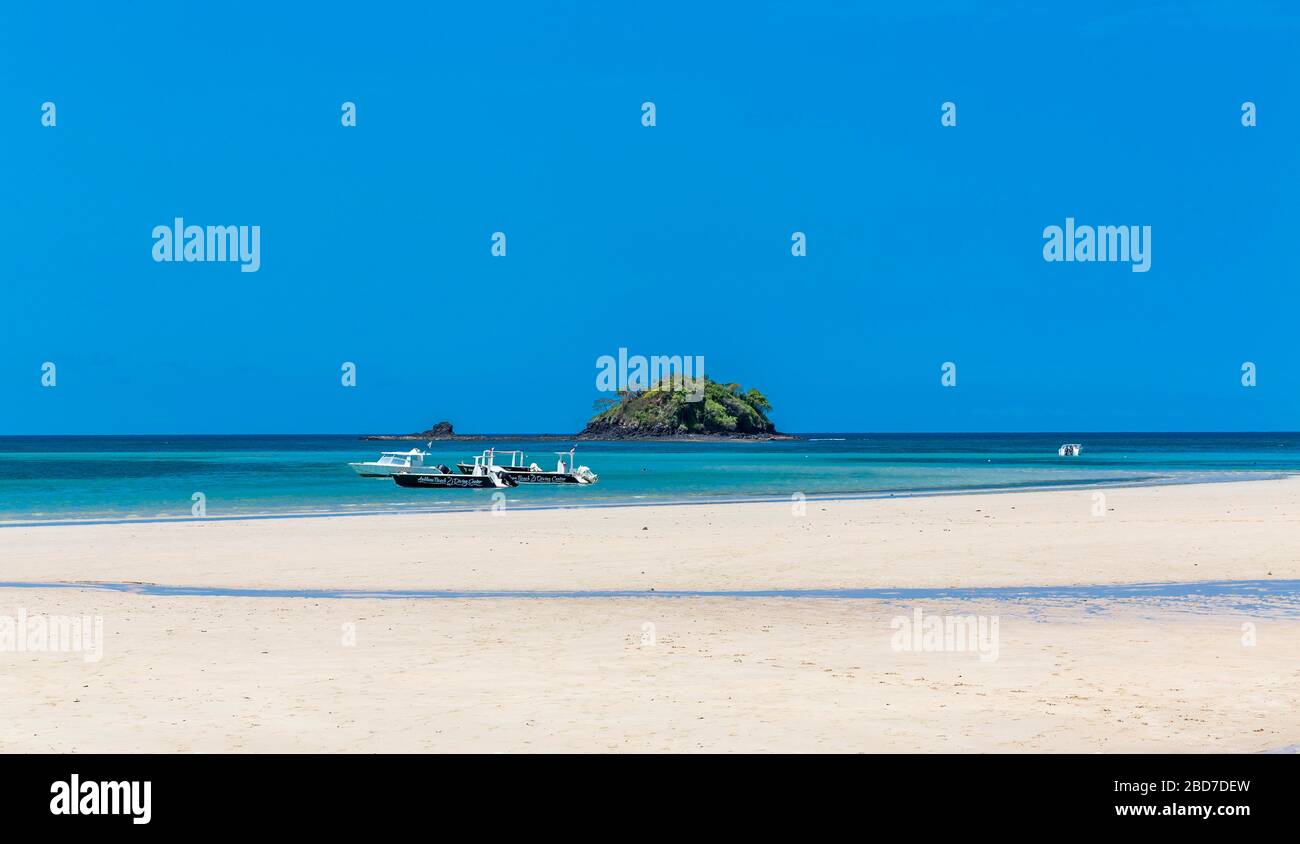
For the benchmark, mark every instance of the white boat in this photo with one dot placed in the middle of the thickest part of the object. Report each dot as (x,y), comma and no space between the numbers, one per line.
(510,461)
(525,473)
(391,463)
(483,474)
(1069,450)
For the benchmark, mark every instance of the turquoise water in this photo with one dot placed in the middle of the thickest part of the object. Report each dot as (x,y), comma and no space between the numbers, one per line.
(96,478)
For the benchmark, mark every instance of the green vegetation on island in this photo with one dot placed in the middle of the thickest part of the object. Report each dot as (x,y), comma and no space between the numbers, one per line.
(717,410)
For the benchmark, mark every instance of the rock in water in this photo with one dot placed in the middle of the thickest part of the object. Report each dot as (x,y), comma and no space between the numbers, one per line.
(442,429)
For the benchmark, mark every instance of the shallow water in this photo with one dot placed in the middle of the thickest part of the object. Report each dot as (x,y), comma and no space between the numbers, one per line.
(66,479)
(1274,598)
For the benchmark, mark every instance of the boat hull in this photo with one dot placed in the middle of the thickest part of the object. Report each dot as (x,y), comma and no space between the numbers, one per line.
(438,480)
(526,477)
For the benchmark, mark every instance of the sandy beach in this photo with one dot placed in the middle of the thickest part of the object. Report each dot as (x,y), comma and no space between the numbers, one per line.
(516,673)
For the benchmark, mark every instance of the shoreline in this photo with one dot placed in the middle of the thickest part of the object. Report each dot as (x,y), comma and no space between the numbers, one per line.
(1138,483)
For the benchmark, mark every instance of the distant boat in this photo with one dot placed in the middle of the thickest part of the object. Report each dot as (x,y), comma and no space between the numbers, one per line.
(1069,450)
(391,463)
(565,472)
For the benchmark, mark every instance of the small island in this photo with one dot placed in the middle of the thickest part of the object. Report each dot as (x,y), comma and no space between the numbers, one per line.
(440,431)
(717,412)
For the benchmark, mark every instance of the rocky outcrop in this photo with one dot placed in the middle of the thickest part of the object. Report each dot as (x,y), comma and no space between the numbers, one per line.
(441,431)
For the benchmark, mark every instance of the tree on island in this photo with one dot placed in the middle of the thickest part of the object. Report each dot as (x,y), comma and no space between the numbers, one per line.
(661,411)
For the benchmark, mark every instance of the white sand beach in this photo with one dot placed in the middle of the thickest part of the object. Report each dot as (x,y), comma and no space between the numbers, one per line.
(669,674)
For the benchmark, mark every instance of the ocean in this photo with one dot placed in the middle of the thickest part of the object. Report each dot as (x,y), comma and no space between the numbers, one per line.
(109,478)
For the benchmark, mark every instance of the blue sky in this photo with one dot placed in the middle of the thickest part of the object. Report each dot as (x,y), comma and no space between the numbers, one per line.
(924,242)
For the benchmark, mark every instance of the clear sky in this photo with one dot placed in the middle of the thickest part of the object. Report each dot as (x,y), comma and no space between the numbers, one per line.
(925,242)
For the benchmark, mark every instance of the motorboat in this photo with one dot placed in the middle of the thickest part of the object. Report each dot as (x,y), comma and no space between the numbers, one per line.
(391,463)
(436,478)
(530,473)
(482,475)
(1070,450)
(515,458)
